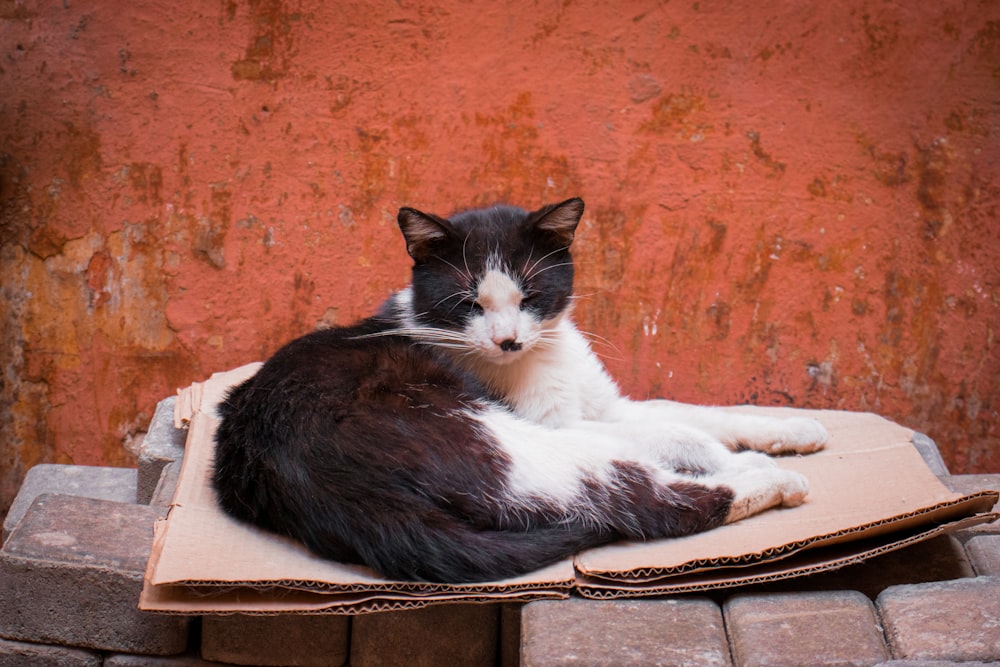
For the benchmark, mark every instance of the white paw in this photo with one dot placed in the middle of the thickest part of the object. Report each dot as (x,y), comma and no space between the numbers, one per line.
(799,435)
(794,488)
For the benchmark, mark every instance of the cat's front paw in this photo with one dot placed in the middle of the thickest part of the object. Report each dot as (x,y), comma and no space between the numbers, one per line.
(798,435)
(794,489)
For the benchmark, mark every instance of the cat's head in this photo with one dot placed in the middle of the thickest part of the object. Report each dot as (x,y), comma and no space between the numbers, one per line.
(491,282)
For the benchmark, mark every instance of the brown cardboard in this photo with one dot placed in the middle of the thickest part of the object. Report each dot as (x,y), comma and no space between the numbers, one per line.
(870,492)
(869,480)
(204,561)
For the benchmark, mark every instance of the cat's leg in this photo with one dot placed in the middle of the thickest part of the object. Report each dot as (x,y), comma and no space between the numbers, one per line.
(773,435)
(755,479)
(672,446)
(603,478)
(640,481)
(758,484)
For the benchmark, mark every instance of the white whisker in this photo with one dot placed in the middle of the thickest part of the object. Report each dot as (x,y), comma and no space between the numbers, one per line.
(443,338)
(529,272)
(461,294)
(547,268)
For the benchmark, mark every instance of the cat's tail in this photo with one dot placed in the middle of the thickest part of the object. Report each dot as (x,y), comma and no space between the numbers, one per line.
(457,552)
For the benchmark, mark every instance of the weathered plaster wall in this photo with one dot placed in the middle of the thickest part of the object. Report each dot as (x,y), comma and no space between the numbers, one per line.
(788,202)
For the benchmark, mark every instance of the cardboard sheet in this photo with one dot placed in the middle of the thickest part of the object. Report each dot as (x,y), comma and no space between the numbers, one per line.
(870,492)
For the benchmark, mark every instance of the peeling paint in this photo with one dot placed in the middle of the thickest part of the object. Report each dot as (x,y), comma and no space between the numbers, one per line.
(787,205)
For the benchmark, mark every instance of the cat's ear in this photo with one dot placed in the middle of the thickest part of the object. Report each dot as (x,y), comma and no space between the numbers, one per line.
(559,220)
(423,232)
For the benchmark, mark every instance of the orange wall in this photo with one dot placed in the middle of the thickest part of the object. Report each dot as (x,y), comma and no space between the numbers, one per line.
(788,203)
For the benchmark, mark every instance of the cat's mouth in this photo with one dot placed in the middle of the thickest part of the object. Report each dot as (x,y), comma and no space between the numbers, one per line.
(504,352)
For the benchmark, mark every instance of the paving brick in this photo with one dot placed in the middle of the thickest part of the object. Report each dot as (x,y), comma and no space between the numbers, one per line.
(936,663)
(453,634)
(305,641)
(510,634)
(130,660)
(71,574)
(931,454)
(823,628)
(674,631)
(970,484)
(163,443)
(947,620)
(164,493)
(984,554)
(938,559)
(23,654)
(118,484)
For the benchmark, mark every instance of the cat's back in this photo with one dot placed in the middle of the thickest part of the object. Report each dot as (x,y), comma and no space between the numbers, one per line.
(360,370)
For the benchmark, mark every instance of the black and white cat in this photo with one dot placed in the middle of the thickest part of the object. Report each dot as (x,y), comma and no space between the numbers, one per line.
(468,433)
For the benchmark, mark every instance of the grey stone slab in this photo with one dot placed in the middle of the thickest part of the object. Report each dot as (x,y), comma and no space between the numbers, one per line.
(937,559)
(936,663)
(163,443)
(946,620)
(966,484)
(792,629)
(117,484)
(71,574)
(131,660)
(24,654)
(451,634)
(164,493)
(672,631)
(972,483)
(984,554)
(304,641)
(932,455)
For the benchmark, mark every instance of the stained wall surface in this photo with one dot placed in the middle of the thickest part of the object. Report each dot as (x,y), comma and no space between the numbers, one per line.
(789,203)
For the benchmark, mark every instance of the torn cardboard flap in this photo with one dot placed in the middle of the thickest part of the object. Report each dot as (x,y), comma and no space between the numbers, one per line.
(870,492)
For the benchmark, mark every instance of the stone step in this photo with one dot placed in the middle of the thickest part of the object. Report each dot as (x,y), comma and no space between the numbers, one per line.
(944,620)
(673,631)
(71,574)
(117,484)
(162,445)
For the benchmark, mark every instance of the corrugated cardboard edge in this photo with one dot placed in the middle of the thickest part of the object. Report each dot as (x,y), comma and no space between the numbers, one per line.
(961,507)
(267,602)
(309,597)
(833,557)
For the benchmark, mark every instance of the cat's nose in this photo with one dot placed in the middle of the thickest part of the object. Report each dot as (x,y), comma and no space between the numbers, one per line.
(510,345)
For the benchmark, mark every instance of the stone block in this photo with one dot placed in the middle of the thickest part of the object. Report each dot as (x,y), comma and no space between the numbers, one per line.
(972,483)
(163,443)
(965,484)
(71,574)
(792,629)
(23,654)
(117,484)
(673,631)
(304,641)
(164,493)
(946,620)
(931,454)
(452,634)
(984,554)
(131,660)
(510,634)
(940,558)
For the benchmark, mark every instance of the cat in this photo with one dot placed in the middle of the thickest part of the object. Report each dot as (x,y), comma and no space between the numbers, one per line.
(467,432)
